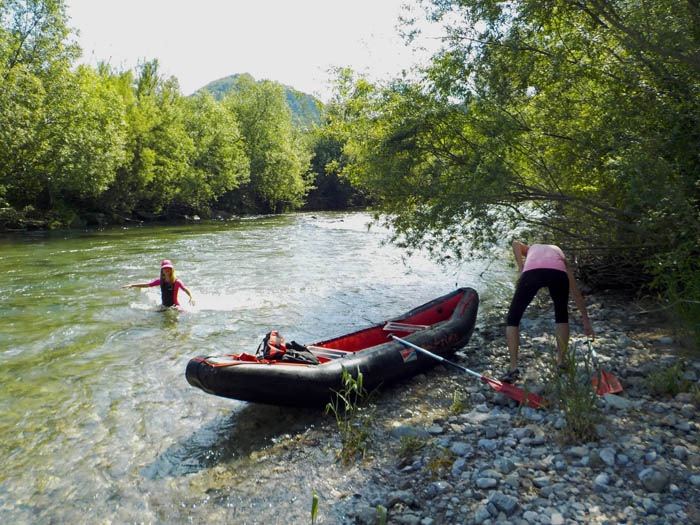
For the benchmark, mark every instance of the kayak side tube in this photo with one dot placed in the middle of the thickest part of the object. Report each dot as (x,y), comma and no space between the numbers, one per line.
(312,385)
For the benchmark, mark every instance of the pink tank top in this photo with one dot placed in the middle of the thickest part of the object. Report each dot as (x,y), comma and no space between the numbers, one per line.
(544,256)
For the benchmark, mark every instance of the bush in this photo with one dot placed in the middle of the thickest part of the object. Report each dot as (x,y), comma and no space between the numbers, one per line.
(571,389)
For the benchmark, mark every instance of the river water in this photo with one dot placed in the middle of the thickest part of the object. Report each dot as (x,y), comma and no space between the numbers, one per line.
(97,421)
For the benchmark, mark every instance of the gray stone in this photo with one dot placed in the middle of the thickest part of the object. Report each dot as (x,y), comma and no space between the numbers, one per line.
(462,449)
(654,480)
(521,433)
(486,483)
(618,402)
(531,517)
(695,480)
(438,487)
(649,506)
(690,375)
(503,502)
(672,508)
(541,481)
(366,516)
(608,456)
(436,430)
(577,452)
(557,519)
(680,452)
(491,432)
(488,444)
(458,467)
(664,340)
(482,514)
(601,482)
(409,432)
(402,496)
(504,465)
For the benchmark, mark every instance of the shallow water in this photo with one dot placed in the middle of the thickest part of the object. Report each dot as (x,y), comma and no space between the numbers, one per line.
(97,420)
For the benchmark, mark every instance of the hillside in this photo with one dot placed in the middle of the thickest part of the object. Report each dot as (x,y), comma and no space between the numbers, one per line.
(304,107)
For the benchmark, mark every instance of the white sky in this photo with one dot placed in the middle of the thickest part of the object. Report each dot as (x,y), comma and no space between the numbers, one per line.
(294,42)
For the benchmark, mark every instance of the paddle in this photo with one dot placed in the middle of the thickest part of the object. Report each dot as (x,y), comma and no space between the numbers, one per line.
(521,396)
(603,382)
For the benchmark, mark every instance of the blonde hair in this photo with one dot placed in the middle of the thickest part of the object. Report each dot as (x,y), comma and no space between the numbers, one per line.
(172,273)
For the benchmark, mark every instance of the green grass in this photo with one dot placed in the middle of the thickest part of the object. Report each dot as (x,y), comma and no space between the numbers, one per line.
(668,382)
(349,406)
(572,391)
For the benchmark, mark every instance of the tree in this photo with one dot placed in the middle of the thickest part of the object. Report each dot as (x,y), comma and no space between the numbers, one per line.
(575,119)
(158,147)
(219,163)
(62,130)
(277,151)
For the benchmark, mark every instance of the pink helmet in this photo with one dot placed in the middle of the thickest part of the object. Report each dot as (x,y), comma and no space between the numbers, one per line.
(166,264)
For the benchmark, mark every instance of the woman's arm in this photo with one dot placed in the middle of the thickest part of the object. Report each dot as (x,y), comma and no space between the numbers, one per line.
(519,249)
(578,299)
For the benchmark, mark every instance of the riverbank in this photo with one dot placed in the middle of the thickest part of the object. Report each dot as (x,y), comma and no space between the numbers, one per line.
(492,462)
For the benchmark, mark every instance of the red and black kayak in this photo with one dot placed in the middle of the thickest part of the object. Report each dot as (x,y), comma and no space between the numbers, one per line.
(442,326)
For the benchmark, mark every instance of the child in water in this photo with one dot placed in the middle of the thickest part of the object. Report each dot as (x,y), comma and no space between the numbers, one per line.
(169,285)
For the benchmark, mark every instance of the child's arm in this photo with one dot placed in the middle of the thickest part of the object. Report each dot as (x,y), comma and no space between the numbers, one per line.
(137,285)
(142,285)
(184,288)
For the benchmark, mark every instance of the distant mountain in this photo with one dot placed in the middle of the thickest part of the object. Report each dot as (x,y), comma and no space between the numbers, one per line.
(304,107)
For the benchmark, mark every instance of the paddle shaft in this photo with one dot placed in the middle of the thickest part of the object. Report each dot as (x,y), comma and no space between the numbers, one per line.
(520,395)
(439,358)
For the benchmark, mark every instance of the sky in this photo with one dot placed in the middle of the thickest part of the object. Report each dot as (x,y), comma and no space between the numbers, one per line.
(291,42)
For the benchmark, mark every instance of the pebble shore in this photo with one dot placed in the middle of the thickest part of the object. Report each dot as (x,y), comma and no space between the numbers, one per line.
(491,461)
(506,464)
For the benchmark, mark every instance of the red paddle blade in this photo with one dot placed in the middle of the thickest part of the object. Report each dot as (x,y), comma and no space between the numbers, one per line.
(606,383)
(521,396)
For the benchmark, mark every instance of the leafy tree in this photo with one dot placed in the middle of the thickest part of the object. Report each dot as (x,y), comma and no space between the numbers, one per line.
(158,147)
(576,119)
(277,151)
(219,163)
(62,131)
(331,191)
(306,109)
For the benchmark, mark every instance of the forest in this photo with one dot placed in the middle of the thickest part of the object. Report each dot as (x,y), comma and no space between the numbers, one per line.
(575,122)
(86,146)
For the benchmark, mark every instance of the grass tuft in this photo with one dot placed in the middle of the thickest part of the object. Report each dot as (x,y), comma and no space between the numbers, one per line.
(572,391)
(350,410)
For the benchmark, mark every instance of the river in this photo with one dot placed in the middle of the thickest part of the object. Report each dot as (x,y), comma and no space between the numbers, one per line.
(98,423)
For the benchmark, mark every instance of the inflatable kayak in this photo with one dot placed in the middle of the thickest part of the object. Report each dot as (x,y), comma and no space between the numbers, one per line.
(442,326)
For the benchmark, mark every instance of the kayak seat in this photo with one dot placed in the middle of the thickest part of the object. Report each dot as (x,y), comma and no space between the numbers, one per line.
(327,353)
(393,326)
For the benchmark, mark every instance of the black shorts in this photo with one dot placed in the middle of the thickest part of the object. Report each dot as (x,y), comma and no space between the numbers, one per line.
(528,285)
